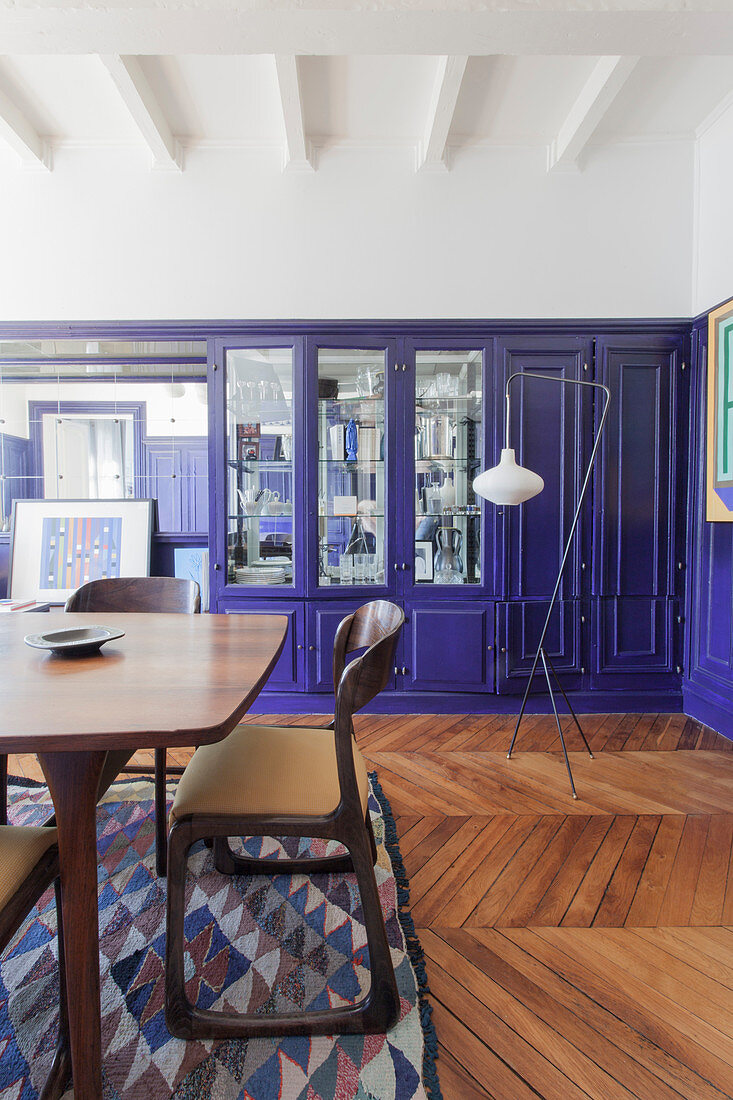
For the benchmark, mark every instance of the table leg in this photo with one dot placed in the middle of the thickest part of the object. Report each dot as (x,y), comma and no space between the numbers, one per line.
(73,780)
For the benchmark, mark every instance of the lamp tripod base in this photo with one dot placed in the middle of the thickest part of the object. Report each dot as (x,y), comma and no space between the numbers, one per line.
(543,656)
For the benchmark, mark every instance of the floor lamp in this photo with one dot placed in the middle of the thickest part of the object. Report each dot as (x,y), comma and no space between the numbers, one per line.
(510,484)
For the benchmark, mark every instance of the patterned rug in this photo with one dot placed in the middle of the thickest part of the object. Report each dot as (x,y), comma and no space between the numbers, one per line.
(264,944)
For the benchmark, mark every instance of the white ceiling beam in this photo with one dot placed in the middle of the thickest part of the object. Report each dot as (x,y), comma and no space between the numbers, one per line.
(596,96)
(146,112)
(297,153)
(431,153)
(17,132)
(656,28)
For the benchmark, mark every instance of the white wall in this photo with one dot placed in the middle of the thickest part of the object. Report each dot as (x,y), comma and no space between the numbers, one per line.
(714,224)
(102,237)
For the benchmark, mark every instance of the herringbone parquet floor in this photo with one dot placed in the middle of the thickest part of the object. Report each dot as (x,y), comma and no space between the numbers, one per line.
(575,950)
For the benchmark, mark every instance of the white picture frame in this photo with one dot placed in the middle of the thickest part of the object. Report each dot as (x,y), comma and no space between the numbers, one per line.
(50,558)
(423,560)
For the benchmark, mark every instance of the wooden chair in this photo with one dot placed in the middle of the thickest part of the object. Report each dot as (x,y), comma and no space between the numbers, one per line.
(29,863)
(272,781)
(171,595)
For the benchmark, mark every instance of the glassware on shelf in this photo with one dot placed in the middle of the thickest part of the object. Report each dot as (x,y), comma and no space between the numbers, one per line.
(351,492)
(448,449)
(260,485)
(448,564)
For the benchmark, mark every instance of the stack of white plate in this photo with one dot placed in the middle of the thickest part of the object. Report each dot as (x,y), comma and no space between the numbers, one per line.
(261,574)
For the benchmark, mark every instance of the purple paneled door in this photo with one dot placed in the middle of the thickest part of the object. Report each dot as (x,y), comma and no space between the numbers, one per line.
(449,648)
(550,432)
(518,628)
(640,493)
(287,674)
(634,642)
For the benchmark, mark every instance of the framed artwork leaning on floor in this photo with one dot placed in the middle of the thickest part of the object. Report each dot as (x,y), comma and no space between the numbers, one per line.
(58,545)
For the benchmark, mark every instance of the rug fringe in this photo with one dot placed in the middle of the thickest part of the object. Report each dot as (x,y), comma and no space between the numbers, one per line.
(414,947)
(21,781)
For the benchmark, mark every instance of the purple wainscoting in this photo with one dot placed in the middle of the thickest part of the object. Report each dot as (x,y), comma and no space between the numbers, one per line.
(707,686)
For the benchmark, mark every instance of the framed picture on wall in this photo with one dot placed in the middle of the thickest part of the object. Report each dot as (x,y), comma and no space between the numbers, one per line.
(58,545)
(423,560)
(719,496)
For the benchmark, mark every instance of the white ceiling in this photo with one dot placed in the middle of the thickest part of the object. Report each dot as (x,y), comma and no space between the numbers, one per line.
(562,74)
(356,100)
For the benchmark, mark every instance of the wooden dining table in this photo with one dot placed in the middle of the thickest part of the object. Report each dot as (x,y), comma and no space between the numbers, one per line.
(172,680)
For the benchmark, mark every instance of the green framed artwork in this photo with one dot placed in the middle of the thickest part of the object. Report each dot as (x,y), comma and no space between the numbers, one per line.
(720,415)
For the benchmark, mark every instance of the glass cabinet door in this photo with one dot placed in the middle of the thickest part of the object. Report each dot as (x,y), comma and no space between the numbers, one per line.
(260,484)
(448,448)
(351,467)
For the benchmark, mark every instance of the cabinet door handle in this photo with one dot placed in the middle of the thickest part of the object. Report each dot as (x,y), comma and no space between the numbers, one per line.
(503,649)
(396,671)
(299,647)
(311,648)
(217,567)
(405,670)
(405,566)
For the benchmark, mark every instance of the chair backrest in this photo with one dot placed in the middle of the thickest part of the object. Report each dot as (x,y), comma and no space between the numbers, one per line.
(377,626)
(169,595)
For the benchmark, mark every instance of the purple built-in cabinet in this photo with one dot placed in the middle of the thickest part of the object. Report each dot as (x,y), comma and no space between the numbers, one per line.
(615,636)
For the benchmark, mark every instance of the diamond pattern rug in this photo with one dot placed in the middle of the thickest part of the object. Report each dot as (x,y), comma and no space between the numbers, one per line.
(257,943)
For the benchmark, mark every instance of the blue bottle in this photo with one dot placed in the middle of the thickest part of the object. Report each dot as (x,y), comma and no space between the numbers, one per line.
(352,441)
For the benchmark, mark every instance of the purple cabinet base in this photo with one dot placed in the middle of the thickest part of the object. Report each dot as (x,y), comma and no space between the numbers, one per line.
(443,702)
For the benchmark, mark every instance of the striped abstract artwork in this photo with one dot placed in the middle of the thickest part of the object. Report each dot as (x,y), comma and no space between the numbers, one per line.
(79,549)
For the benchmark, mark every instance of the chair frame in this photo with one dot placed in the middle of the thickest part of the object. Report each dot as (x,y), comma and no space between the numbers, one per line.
(133,595)
(45,872)
(376,626)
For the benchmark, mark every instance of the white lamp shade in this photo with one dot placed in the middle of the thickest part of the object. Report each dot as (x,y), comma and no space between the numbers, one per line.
(508,483)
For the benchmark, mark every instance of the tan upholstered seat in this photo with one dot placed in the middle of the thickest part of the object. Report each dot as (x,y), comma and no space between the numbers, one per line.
(266,770)
(290,782)
(21,847)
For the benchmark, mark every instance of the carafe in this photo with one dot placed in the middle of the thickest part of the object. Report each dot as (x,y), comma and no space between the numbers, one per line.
(448,564)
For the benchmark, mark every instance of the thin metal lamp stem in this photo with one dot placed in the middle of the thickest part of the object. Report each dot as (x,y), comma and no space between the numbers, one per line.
(541,654)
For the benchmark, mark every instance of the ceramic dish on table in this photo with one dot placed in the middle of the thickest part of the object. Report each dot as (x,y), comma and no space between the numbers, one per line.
(73,641)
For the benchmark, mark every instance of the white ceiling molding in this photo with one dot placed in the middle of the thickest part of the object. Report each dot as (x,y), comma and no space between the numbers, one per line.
(298,155)
(431,152)
(146,113)
(717,112)
(17,132)
(598,93)
(454,27)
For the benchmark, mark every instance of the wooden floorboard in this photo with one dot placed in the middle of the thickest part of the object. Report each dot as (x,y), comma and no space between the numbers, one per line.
(576,949)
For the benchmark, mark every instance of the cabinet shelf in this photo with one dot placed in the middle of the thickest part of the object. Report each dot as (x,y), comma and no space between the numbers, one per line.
(441,402)
(260,515)
(281,465)
(359,515)
(422,465)
(349,465)
(447,512)
(336,401)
